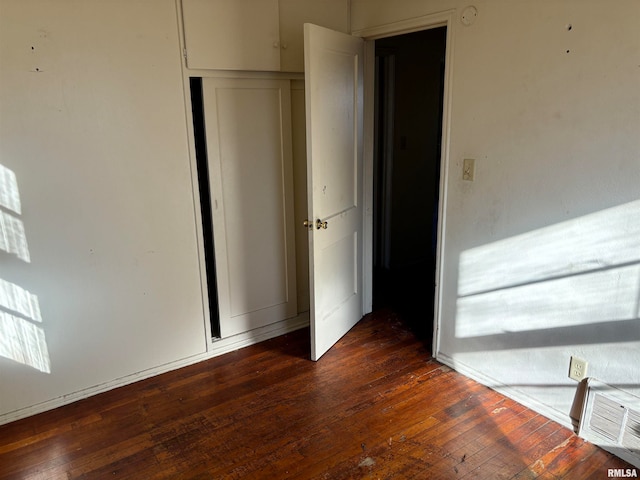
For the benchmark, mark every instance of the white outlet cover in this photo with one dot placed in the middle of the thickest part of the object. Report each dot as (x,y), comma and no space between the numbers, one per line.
(578,369)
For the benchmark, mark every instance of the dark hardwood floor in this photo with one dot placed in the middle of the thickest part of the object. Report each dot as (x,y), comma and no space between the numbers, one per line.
(375,406)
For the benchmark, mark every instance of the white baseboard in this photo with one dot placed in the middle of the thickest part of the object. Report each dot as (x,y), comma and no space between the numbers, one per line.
(507,391)
(214,349)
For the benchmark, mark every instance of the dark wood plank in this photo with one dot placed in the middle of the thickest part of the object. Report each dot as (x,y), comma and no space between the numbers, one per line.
(376,406)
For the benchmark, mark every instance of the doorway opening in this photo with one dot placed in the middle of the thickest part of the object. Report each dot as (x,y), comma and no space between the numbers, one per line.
(409,96)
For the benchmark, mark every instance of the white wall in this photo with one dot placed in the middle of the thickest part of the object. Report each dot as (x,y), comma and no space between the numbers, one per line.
(92,124)
(541,252)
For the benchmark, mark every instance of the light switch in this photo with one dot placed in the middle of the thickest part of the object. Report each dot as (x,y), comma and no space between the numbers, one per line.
(468,169)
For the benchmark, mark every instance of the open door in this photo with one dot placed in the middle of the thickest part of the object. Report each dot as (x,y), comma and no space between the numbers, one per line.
(334,107)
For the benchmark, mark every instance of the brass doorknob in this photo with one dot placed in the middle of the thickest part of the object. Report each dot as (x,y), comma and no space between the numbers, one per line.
(308,224)
(321,225)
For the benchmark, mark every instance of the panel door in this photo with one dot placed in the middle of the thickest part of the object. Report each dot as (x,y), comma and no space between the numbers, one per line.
(334,103)
(248,130)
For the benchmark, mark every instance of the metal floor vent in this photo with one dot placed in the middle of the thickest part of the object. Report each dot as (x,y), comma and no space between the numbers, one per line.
(611,419)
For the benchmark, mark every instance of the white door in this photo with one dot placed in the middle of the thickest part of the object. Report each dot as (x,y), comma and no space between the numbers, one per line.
(334,100)
(248,129)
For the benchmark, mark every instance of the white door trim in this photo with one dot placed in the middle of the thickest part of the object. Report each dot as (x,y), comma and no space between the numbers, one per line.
(425,22)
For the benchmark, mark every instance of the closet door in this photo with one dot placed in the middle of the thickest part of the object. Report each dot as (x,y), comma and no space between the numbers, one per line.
(248,128)
(232,34)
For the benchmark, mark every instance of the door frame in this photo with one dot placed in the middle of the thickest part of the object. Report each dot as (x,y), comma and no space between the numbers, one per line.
(441,19)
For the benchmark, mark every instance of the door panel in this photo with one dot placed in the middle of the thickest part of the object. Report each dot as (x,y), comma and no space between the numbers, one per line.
(333,86)
(249,151)
(342,287)
(339,153)
(232,34)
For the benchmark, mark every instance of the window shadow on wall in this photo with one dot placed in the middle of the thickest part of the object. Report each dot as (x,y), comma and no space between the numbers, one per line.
(22,338)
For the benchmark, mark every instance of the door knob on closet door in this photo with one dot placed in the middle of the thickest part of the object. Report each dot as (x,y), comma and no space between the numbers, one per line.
(308,224)
(321,225)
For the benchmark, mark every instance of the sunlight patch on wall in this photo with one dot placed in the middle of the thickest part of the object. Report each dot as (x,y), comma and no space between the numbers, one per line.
(611,295)
(16,298)
(21,339)
(13,239)
(578,272)
(9,195)
(23,342)
(602,239)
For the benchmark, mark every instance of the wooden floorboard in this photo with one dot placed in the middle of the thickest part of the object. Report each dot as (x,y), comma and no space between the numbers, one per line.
(375,406)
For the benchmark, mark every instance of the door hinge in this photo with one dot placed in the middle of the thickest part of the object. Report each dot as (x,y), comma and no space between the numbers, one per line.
(184,53)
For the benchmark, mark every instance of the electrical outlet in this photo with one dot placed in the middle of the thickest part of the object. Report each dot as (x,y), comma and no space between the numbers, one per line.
(578,369)
(468,169)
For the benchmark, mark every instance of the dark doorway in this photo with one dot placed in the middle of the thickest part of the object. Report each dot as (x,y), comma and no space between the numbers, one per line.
(408,134)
